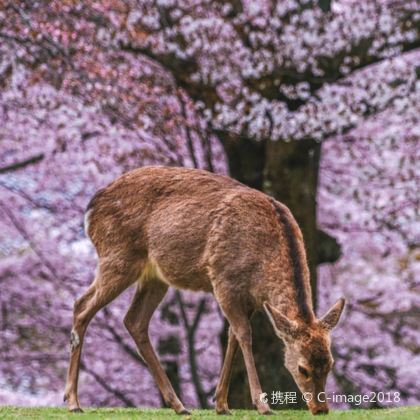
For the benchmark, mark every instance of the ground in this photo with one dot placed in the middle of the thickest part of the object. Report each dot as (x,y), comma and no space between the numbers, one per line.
(146,414)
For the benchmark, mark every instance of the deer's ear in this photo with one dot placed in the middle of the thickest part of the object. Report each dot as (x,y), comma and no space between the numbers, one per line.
(283,326)
(331,318)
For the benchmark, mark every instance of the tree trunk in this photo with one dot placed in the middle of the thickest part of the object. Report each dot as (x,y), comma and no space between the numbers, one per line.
(246,159)
(289,172)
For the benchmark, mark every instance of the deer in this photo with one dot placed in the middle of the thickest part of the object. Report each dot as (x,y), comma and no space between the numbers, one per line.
(160,227)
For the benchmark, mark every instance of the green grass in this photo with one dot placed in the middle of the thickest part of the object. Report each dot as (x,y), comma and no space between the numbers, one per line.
(146,414)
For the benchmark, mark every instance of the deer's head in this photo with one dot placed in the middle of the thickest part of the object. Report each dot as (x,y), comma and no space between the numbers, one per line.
(307,352)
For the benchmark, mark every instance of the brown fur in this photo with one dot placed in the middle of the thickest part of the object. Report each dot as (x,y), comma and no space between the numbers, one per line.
(297,256)
(194,230)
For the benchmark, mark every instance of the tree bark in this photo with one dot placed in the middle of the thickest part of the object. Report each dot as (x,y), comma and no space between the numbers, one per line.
(246,159)
(287,171)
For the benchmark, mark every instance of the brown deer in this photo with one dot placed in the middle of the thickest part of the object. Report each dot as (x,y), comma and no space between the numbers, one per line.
(190,229)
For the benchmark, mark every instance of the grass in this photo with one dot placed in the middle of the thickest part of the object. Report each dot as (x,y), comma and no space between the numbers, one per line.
(146,414)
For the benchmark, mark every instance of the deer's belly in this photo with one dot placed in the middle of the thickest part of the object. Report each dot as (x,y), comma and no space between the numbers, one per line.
(177,274)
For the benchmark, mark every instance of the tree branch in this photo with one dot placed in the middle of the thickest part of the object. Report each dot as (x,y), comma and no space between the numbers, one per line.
(191,329)
(129,350)
(107,387)
(22,164)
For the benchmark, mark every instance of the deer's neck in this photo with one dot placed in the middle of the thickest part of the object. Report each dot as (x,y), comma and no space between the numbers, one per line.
(292,294)
(285,300)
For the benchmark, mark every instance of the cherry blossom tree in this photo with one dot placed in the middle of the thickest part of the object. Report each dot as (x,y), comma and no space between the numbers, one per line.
(272,79)
(369,201)
(89,91)
(60,143)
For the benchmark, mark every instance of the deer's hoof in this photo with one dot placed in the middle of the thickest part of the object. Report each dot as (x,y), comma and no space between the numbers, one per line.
(76,410)
(184,412)
(268,413)
(224,412)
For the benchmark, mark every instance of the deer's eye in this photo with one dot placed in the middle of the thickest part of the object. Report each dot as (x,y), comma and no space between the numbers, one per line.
(303,371)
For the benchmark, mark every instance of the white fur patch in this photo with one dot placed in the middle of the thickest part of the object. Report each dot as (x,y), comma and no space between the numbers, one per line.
(74,340)
(151,271)
(86,222)
(159,273)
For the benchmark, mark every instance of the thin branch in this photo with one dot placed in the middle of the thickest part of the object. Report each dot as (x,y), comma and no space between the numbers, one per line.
(191,329)
(107,387)
(55,45)
(119,339)
(22,164)
(28,198)
(190,144)
(19,227)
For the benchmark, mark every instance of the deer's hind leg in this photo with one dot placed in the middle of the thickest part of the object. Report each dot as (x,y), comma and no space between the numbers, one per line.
(110,282)
(149,294)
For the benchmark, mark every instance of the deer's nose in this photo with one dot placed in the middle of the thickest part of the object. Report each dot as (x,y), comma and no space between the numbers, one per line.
(320,410)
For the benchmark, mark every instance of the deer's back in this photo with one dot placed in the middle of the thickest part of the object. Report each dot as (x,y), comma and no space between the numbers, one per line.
(190,225)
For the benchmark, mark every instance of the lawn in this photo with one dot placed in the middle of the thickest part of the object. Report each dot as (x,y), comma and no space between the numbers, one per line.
(146,414)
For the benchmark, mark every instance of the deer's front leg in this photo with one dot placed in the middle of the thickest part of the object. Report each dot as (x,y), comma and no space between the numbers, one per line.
(223,385)
(238,318)
(244,337)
